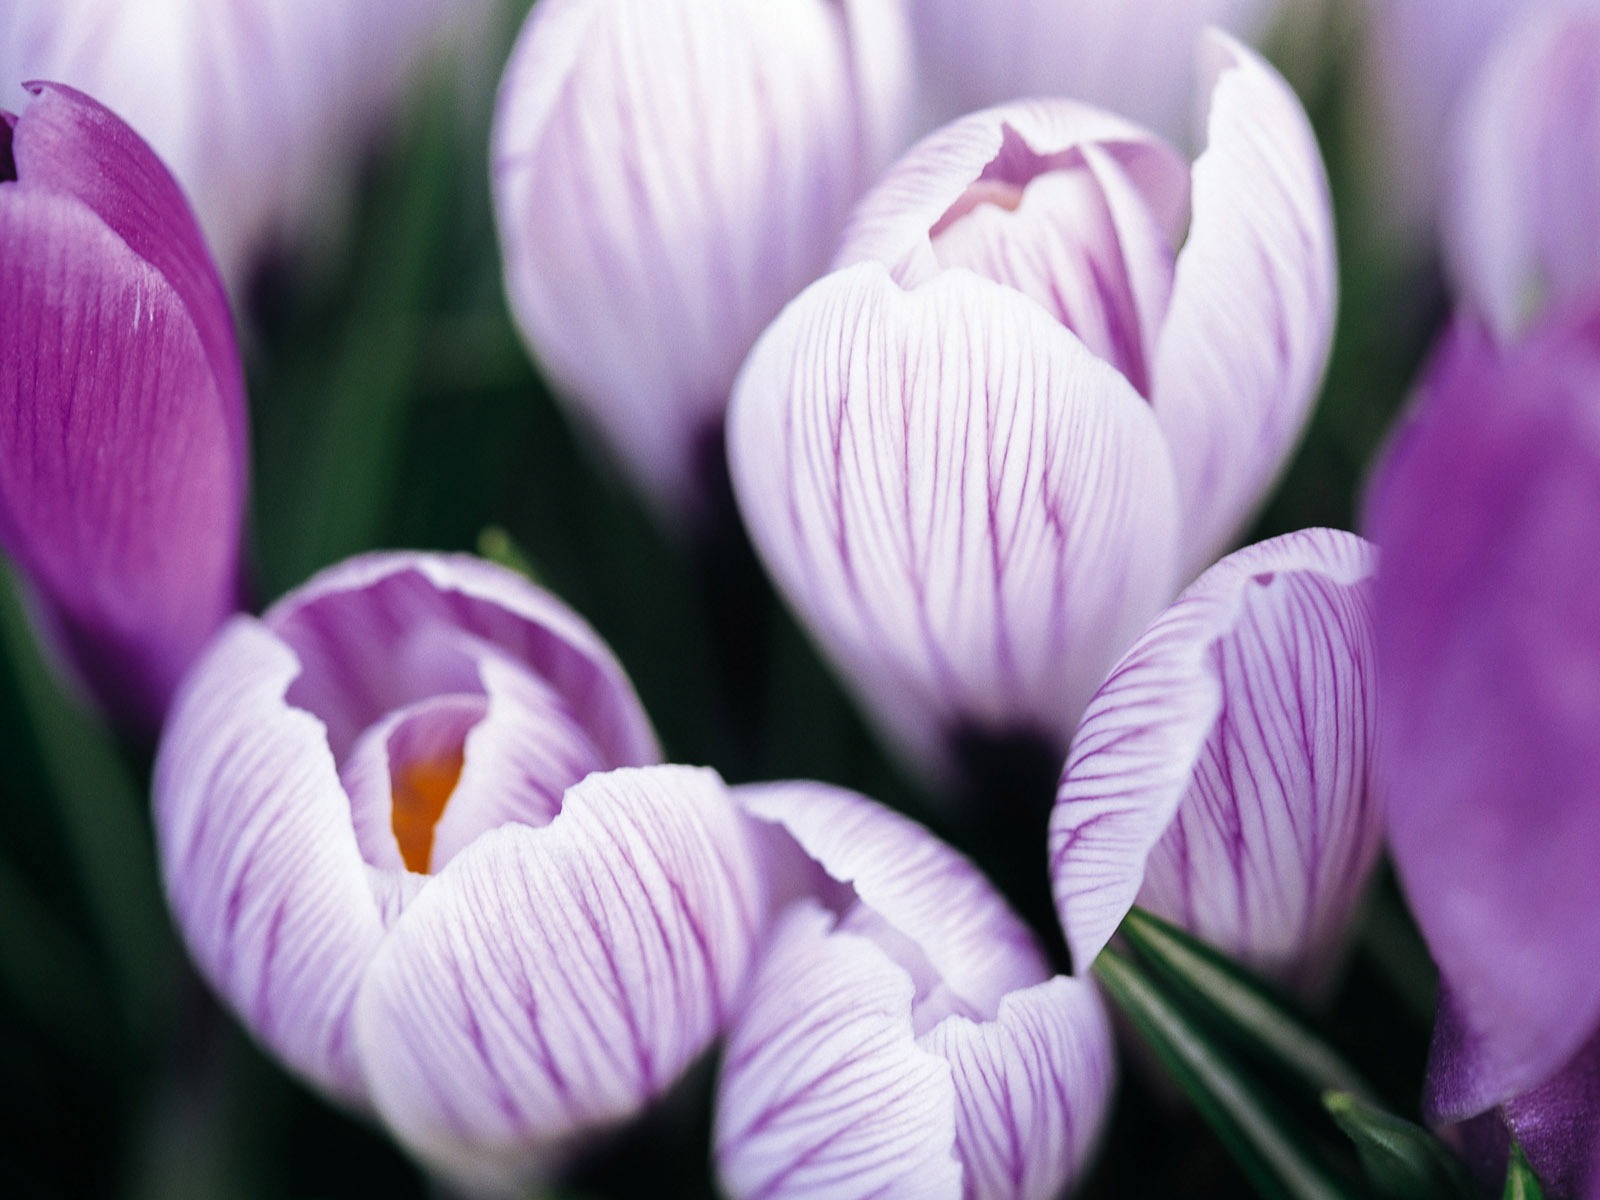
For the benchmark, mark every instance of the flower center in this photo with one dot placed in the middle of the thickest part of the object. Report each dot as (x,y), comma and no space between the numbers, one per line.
(421,788)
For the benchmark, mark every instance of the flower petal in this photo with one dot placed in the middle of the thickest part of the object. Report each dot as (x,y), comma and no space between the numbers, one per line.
(824,1091)
(121,494)
(1251,320)
(261,865)
(550,981)
(1222,775)
(382,630)
(1520,232)
(1033,1089)
(924,890)
(1487,508)
(667,174)
(970,512)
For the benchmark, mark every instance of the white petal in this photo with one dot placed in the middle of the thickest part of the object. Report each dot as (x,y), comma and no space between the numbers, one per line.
(1222,776)
(1251,320)
(971,513)
(260,859)
(824,1092)
(552,981)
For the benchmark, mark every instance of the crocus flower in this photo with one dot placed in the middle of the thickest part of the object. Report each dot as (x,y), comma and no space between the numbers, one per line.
(123,454)
(259,107)
(1520,228)
(980,456)
(667,173)
(901,1035)
(1487,509)
(1134,56)
(1224,774)
(404,836)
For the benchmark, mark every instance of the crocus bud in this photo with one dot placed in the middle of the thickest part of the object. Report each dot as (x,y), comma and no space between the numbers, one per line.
(1487,509)
(397,841)
(1520,229)
(123,456)
(1224,774)
(901,1035)
(667,173)
(1133,56)
(257,106)
(982,455)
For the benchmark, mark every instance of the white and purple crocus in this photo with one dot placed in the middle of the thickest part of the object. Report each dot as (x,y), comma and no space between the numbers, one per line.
(123,438)
(411,832)
(1055,371)
(1489,657)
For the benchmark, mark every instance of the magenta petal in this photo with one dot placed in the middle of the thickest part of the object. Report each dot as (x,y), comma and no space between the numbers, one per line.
(1247,336)
(970,512)
(1487,509)
(121,440)
(1222,776)
(260,859)
(552,981)
(824,1090)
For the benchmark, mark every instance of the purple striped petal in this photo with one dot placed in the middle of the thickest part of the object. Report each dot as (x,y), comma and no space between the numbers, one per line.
(905,1041)
(552,981)
(667,174)
(1520,230)
(383,630)
(1134,58)
(970,512)
(1222,776)
(260,858)
(122,443)
(1251,318)
(1487,508)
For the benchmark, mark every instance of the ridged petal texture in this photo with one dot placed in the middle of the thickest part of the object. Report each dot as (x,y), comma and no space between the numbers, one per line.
(900,1035)
(1223,776)
(1134,58)
(552,981)
(1520,233)
(667,173)
(123,456)
(261,108)
(401,839)
(971,513)
(1251,320)
(1487,509)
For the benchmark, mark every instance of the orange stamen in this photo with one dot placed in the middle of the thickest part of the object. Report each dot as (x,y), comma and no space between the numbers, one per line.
(421,790)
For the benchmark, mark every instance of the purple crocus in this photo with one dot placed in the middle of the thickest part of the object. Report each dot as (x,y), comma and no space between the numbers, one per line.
(901,1034)
(667,173)
(407,836)
(261,108)
(1224,774)
(123,456)
(1487,508)
(1135,57)
(1519,222)
(983,453)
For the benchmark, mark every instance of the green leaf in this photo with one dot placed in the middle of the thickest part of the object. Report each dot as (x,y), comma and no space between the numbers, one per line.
(1403,1161)
(1274,1148)
(1521,1182)
(498,546)
(1205,979)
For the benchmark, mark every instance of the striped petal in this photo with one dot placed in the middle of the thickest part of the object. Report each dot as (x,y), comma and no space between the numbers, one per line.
(667,174)
(122,444)
(1487,508)
(549,982)
(1251,319)
(1520,233)
(1222,775)
(262,868)
(971,513)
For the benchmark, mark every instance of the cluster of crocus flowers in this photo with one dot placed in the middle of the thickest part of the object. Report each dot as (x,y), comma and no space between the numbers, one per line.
(983,453)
